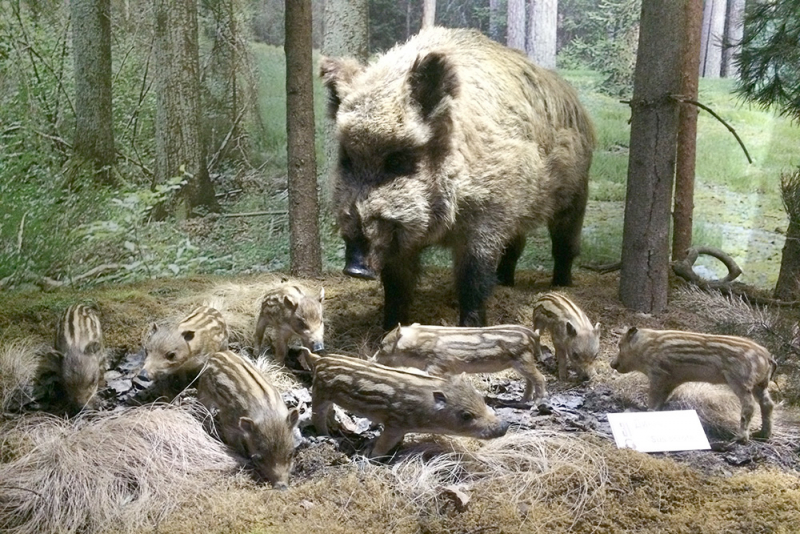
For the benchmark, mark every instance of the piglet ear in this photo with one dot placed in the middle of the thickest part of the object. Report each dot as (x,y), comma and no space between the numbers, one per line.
(596,327)
(289,303)
(432,79)
(292,419)
(247,424)
(439,400)
(631,332)
(571,332)
(322,295)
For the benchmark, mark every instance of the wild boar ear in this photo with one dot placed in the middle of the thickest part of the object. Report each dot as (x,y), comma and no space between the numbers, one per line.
(537,335)
(292,418)
(432,78)
(336,74)
(571,332)
(439,400)
(247,424)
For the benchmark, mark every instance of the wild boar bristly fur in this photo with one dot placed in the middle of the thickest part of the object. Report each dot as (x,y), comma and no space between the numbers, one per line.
(251,415)
(456,140)
(79,342)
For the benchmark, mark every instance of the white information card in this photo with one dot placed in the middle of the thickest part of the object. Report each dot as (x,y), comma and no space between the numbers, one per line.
(658,431)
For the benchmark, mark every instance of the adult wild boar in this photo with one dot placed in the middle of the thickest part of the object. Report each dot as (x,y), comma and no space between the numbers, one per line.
(456,140)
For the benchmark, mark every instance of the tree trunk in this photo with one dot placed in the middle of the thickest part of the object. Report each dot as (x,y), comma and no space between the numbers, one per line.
(651,167)
(711,40)
(222,99)
(542,29)
(494,26)
(178,139)
(515,32)
(682,215)
(304,249)
(428,13)
(91,44)
(788,285)
(346,34)
(734,30)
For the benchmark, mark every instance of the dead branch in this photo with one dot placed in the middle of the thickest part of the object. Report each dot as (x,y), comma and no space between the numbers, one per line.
(684,269)
(20,232)
(730,128)
(248,214)
(604,268)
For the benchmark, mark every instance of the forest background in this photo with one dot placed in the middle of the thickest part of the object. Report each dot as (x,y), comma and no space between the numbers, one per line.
(63,220)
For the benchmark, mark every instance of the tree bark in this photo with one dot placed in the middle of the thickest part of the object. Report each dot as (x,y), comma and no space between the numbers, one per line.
(788,285)
(734,30)
(515,32)
(542,28)
(94,125)
(682,215)
(651,167)
(178,139)
(305,253)
(711,40)
(428,13)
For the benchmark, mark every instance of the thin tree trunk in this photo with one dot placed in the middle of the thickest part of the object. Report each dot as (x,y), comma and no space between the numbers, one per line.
(179,144)
(542,29)
(305,253)
(654,127)
(711,40)
(734,30)
(788,285)
(91,44)
(682,215)
(428,13)
(515,33)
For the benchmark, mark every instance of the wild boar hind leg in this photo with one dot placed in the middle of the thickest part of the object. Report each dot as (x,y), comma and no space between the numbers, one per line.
(399,280)
(766,403)
(508,261)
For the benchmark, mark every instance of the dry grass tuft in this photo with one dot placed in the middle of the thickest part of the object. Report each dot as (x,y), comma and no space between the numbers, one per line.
(19,364)
(124,470)
(277,375)
(733,316)
(522,470)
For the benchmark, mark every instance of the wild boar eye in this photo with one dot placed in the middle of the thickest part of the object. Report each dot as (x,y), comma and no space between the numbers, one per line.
(256,457)
(170,356)
(467,417)
(400,163)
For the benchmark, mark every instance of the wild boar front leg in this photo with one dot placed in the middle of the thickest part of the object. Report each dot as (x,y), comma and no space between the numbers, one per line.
(660,389)
(475,277)
(562,358)
(319,414)
(399,280)
(748,407)
(388,439)
(259,337)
